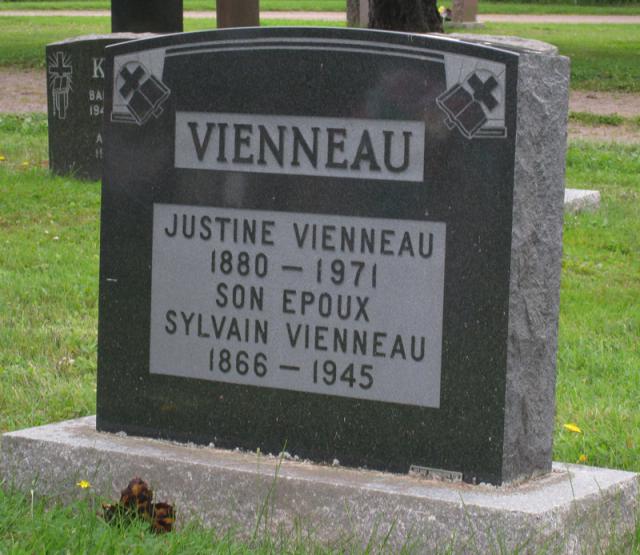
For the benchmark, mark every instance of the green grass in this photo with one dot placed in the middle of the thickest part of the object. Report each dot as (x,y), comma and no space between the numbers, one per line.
(48,269)
(599,345)
(189,5)
(36,525)
(509,7)
(587,118)
(28,526)
(527,8)
(613,120)
(23,39)
(604,57)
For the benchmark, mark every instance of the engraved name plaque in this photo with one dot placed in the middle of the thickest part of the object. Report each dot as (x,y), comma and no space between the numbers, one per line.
(324,304)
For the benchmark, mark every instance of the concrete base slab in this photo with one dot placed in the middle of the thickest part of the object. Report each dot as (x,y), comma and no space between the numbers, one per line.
(574,509)
(578,200)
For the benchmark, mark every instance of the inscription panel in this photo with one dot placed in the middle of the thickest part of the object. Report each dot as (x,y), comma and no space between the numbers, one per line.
(325,304)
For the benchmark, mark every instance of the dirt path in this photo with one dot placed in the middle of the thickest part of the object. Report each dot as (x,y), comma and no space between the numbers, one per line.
(341,16)
(623,104)
(606,133)
(22,90)
(25,91)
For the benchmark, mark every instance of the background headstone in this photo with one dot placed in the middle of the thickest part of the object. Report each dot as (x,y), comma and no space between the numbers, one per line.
(464,11)
(579,200)
(357,13)
(146,16)
(237,13)
(75,99)
(226,247)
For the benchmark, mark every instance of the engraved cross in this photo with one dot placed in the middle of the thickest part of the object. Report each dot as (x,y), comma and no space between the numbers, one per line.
(482,91)
(131,80)
(60,68)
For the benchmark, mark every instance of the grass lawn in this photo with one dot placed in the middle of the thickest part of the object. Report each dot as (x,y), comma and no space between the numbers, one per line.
(23,39)
(484,7)
(196,5)
(48,314)
(604,57)
(613,120)
(30,526)
(599,343)
(340,5)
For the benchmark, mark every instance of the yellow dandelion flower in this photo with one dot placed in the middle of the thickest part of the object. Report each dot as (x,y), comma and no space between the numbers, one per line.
(582,458)
(571,427)
(25,163)
(83,484)
(2,158)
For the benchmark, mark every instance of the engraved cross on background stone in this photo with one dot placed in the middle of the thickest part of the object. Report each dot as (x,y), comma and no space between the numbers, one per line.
(60,69)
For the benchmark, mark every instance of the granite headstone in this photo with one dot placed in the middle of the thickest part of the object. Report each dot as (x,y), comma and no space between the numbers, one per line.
(343,241)
(464,11)
(146,16)
(75,98)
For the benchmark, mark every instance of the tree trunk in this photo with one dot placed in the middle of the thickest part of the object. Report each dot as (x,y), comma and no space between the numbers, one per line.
(410,16)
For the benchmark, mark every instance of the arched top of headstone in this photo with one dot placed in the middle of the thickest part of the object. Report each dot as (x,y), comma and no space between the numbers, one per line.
(516,44)
(110,37)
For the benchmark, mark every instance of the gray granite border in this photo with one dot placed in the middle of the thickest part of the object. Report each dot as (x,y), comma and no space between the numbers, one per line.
(536,253)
